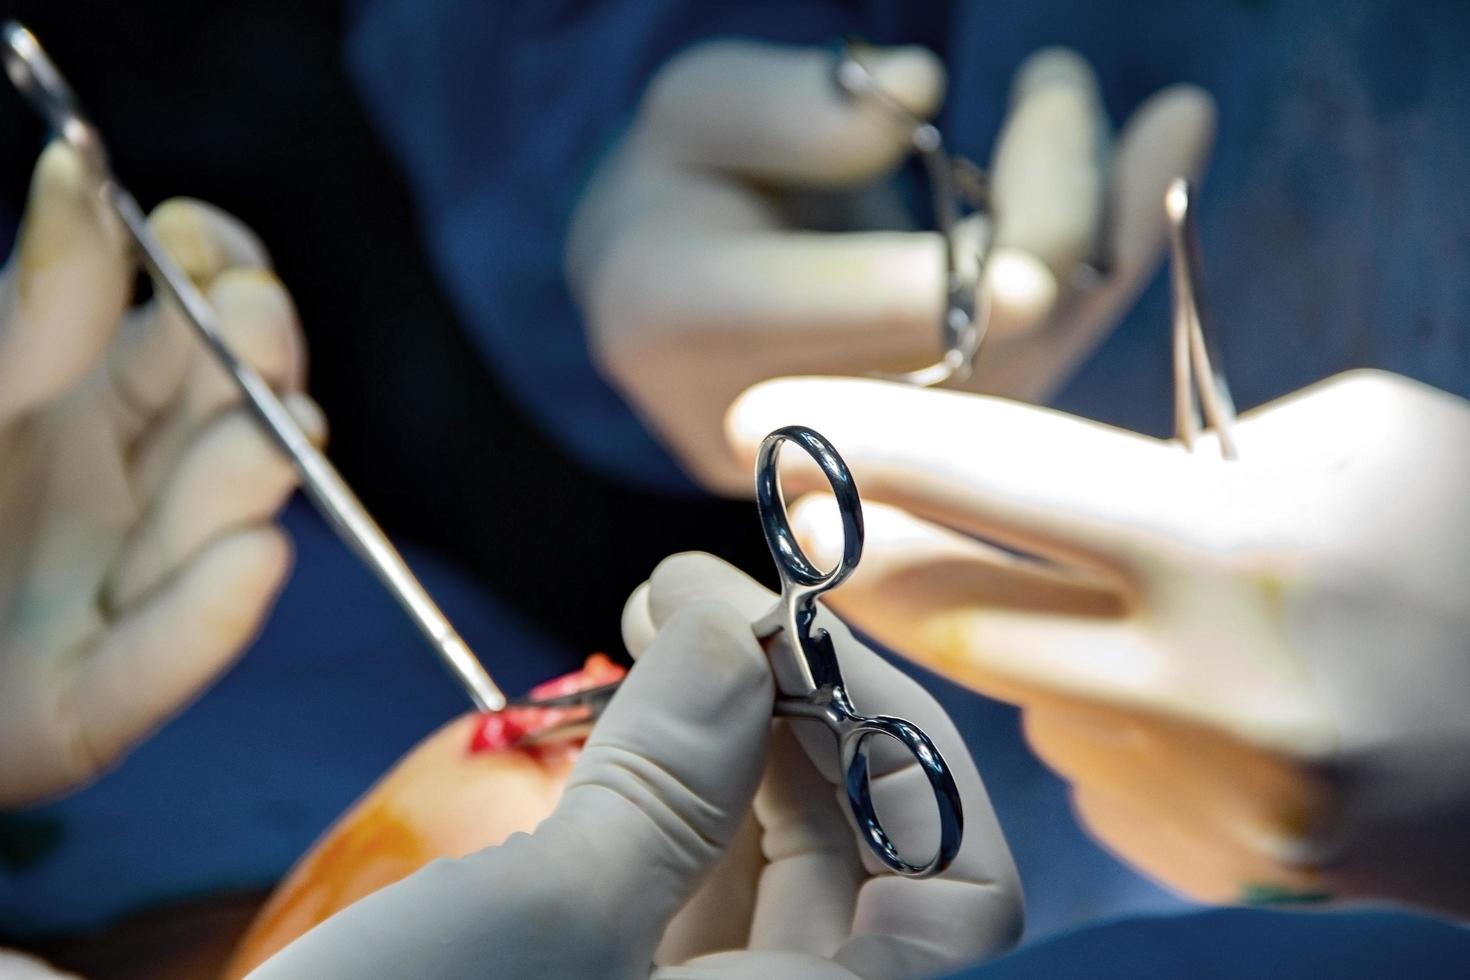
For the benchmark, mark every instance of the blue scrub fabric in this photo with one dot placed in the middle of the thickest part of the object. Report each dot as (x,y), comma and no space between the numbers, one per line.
(1246,943)
(233,790)
(1332,220)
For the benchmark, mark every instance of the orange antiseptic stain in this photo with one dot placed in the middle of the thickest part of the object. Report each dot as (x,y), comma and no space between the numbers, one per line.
(371,850)
(455,793)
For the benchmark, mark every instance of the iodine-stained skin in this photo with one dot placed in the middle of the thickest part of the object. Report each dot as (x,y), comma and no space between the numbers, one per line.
(468,786)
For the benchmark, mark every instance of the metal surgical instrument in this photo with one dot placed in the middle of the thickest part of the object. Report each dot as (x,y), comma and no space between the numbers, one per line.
(809,682)
(955,183)
(33,73)
(1200,388)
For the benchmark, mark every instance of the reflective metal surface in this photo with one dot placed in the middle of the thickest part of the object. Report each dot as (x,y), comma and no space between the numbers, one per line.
(955,185)
(1200,388)
(808,679)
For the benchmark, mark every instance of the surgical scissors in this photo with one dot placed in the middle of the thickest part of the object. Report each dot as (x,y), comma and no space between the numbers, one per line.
(809,682)
(34,74)
(955,183)
(808,679)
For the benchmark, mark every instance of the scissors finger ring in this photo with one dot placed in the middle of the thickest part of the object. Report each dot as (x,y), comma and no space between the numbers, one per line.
(809,681)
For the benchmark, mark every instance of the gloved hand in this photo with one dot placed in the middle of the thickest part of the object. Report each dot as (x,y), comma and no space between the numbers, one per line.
(703,259)
(660,805)
(1254,672)
(137,554)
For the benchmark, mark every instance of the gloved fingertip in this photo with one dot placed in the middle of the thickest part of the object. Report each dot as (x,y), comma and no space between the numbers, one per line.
(252,289)
(1022,291)
(259,319)
(248,566)
(69,280)
(180,226)
(63,215)
(1182,116)
(912,74)
(720,636)
(694,576)
(61,173)
(309,415)
(764,407)
(1052,66)
(637,622)
(203,240)
(1169,136)
(674,583)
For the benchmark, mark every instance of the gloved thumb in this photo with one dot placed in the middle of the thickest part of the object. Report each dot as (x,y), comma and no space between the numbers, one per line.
(65,288)
(665,781)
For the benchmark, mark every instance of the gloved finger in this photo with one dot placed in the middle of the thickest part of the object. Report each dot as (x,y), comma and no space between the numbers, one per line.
(637,623)
(777,113)
(900,926)
(690,577)
(162,652)
(718,916)
(1191,859)
(1022,293)
(258,321)
(809,886)
(1032,634)
(148,364)
(667,776)
(1239,792)
(1003,625)
(1030,478)
(232,475)
(1169,136)
(757,306)
(65,288)
(205,240)
(1047,175)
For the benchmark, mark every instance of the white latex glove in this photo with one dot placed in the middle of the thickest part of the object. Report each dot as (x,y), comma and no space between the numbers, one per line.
(704,259)
(19,966)
(137,553)
(661,794)
(1255,673)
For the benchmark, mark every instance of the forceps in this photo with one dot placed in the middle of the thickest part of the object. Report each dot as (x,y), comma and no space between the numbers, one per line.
(808,679)
(955,185)
(37,78)
(1200,387)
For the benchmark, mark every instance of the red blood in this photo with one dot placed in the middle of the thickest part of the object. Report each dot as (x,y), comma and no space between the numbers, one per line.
(501,730)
